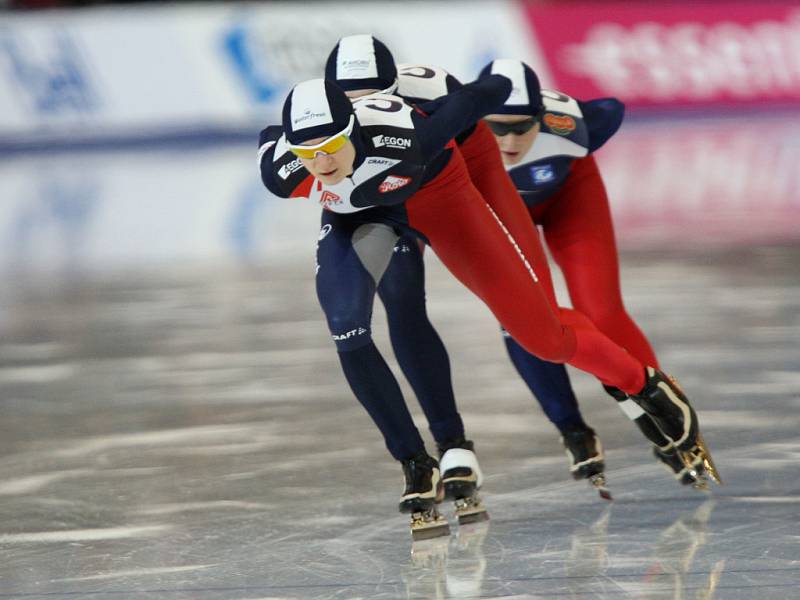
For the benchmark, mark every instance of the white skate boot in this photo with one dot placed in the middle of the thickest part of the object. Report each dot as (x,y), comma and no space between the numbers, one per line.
(462,478)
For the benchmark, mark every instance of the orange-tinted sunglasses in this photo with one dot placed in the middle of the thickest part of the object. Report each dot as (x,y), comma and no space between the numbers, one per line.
(329,145)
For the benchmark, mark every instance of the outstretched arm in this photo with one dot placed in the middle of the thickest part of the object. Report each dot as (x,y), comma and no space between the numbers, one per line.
(603,118)
(444,118)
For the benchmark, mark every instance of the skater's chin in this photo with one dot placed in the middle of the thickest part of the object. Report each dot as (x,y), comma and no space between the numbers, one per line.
(331,177)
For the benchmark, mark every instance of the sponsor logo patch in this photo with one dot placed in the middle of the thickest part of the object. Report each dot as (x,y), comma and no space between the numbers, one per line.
(380,161)
(392,183)
(390,141)
(329,198)
(308,114)
(354,67)
(542,174)
(289,168)
(559,124)
(348,334)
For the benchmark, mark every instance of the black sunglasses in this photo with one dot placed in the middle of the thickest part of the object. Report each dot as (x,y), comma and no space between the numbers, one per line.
(518,128)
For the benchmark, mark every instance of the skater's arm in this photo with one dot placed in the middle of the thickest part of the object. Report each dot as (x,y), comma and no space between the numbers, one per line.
(603,118)
(446,117)
(281,171)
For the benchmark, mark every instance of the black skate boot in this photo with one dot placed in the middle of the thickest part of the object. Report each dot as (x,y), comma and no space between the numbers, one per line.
(636,414)
(585,453)
(423,491)
(663,449)
(462,478)
(665,403)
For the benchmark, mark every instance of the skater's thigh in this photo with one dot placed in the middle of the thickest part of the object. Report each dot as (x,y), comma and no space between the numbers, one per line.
(580,235)
(351,258)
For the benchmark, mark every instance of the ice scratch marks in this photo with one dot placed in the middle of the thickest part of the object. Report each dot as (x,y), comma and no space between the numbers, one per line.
(747,419)
(209,433)
(767,383)
(84,535)
(31,351)
(34,483)
(766,499)
(38,374)
(173,508)
(139,572)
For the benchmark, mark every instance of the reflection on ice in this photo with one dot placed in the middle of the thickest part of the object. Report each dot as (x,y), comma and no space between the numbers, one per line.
(450,566)
(460,566)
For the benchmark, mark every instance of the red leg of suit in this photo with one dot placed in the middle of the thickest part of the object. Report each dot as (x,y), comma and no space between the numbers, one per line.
(485,166)
(579,232)
(473,245)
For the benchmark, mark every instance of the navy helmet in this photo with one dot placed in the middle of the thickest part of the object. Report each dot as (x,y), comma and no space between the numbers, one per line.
(314,109)
(526,93)
(361,62)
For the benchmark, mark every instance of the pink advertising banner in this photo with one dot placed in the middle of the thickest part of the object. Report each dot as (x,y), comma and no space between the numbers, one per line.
(673,54)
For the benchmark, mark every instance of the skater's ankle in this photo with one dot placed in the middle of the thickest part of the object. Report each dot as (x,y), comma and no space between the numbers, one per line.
(570,424)
(420,456)
(456,442)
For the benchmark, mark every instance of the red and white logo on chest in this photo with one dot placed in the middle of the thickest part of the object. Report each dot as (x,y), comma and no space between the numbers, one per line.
(392,183)
(327,198)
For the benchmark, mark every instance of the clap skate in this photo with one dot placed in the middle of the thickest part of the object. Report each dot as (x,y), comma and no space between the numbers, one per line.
(585,453)
(423,491)
(664,401)
(687,475)
(462,479)
(699,458)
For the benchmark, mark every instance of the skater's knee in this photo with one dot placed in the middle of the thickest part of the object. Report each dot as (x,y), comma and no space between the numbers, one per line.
(348,331)
(551,346)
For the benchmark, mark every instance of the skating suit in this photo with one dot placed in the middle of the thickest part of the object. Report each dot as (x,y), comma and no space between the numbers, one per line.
(409,177)
(564,192)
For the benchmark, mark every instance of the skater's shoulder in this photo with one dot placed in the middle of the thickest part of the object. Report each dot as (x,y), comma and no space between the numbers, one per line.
(422,82)
(384,110)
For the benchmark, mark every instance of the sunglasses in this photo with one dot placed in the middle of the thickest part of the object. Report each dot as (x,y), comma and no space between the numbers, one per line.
(518,128)
(330,145)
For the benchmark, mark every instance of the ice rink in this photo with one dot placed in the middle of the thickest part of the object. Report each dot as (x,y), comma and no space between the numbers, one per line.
(181,430)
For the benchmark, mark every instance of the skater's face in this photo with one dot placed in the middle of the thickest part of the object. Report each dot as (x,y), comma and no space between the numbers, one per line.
(331,168)
(329,159)
(515,135)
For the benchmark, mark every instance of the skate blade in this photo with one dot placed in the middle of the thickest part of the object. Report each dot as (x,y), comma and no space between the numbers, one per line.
(701,459)
(598,482)
(472,516)
(428,526)
(708,462)
(470,510)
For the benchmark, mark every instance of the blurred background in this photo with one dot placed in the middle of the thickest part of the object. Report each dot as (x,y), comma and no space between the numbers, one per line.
(127,130)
